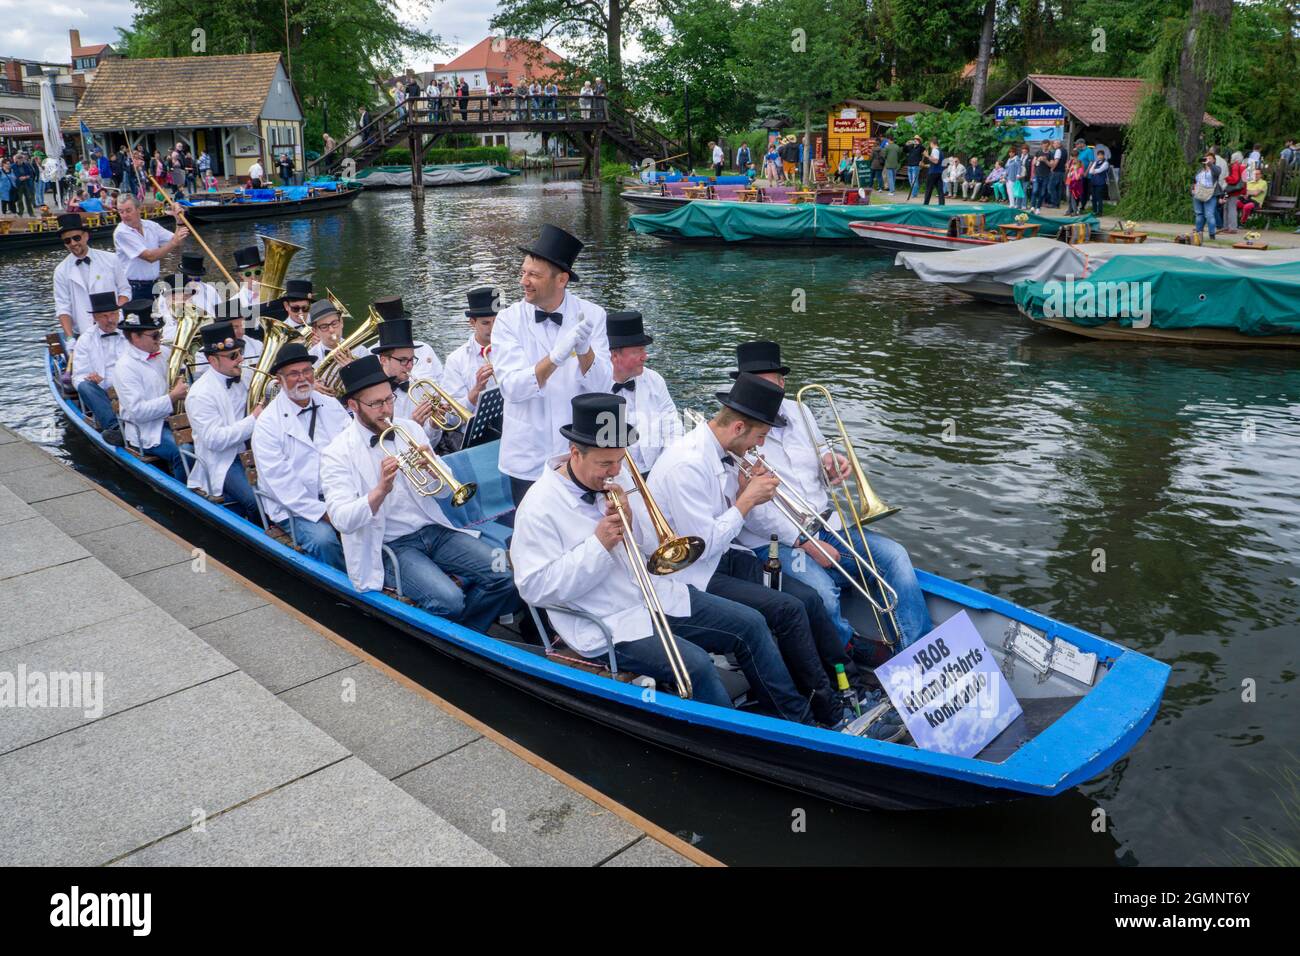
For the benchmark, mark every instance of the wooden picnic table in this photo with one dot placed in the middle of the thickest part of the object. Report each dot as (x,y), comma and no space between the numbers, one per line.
(696,192)
(1127,238)
(802,195)
(747,195)
(1261,246)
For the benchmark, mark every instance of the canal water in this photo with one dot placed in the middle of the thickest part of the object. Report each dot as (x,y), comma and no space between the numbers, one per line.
(1145,494)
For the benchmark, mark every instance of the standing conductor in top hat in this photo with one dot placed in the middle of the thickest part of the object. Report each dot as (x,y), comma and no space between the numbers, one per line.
(546,349)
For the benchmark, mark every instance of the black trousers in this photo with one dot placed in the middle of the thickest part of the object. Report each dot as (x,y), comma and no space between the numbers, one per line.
(795,615)
(934,181)
(518,488)
(141,288)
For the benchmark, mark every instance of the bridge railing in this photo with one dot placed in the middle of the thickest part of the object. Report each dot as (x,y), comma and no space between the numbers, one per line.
(483,109)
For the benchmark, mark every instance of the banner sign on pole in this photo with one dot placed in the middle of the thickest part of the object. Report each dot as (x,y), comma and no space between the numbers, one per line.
(1031,114)
(949,690)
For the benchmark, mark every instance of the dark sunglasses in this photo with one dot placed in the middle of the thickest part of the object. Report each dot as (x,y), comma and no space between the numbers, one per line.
(248,273)
(69,240)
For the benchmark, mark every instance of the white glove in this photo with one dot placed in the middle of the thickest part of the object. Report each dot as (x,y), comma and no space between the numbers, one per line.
(585,327)
(564,344)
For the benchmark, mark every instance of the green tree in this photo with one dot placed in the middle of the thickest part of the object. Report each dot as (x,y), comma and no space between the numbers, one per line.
(595,28)
(338,49)
(802,55)
(961,132)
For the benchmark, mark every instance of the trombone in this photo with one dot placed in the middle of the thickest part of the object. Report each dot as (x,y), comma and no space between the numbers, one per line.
(864,509)
(427,390)
(673,554)
(807,520)
(426,473)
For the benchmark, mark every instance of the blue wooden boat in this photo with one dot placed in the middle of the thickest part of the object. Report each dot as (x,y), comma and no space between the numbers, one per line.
(1067,734)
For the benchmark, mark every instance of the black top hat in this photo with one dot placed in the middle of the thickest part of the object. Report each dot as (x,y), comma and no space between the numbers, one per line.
(599,421)
(271,310)
(71,222)
(361,373)
(248,257)
(103,301)
(390,307)
(320,310)
(295,289)
(759,357)
(229,308)
(483,301)
(291,354)
(755,398)
(394,334)
(557,247)
(137,316)
(625,328)
(191,263)
(219,337)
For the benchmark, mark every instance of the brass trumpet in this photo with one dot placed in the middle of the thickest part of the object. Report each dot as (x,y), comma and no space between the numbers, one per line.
(427,390)
(426,473)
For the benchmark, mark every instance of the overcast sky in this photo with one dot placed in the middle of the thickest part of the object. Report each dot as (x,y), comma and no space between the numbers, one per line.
(39,30)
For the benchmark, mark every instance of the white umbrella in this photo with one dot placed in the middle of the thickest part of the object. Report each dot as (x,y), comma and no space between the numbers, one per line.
(50,124)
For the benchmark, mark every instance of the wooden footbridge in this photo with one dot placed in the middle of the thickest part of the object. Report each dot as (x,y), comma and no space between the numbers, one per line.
(585,121)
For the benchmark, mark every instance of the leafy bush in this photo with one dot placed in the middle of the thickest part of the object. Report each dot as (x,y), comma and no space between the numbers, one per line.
(962,132)
(401,156)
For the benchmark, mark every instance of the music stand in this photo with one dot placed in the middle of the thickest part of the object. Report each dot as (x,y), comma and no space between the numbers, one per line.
(485,426)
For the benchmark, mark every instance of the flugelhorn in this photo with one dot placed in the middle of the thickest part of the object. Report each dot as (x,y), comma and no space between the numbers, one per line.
(417,462)
(427,390)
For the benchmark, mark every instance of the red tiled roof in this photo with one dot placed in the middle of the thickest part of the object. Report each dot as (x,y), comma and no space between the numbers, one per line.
(506,55)
(91,50)
(1097,100)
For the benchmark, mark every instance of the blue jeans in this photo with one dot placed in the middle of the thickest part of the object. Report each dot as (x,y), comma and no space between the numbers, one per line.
(1205,214)
(1056,188)
(719,626)
(166,450)
(1039,196)
(318,540)
(236,488)
(427,557)
(894,565)
(97,402)
(913,177)
(889,178)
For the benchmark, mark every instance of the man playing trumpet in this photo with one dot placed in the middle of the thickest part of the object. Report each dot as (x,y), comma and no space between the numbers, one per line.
(568,550)
(371,505)
(396,352)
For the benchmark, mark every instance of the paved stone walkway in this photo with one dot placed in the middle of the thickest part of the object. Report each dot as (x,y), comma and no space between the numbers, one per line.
(234,731)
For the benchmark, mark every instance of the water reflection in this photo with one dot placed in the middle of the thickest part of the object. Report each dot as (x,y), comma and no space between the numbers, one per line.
(1015,454)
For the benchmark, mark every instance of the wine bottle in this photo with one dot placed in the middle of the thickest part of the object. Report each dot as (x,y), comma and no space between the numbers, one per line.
(772,566)
(847,696)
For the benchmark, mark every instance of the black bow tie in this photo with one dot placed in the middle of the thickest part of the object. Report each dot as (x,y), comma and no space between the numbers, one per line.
(630,385)
(556,317)
(588,494)
(728,460)
(374,440)
(234,380)
(107,335)
(399,386)
(84,262)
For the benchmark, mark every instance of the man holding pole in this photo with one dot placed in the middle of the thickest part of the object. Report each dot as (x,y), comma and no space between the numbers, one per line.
(141,244)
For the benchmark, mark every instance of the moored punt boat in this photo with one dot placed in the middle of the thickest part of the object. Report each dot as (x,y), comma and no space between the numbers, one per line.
(894,236)
(1170,300)
(451,174)
(670,195)
(812,223)
(992,273)
(288,202)
(1069,731)
(20,235)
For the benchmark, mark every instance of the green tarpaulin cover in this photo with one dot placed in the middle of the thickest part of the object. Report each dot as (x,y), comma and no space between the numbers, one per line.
(1174,293)
(740,221)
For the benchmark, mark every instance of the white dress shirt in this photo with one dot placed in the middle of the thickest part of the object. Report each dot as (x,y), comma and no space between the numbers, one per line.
(74,282)
(143,403)
(98,352)
(531,420)
(255,171)
(789,453)
(462,369)
(288,457)
(427,364)
(559,561)
(651,411)
(697,495)
(220,428)
(130,243)
(349,469)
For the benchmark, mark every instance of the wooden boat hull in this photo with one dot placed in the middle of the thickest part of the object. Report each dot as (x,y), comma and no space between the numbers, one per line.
(1078,743)
(231,212)
(644,201)
(16,241)
(1219,338)
(896,238)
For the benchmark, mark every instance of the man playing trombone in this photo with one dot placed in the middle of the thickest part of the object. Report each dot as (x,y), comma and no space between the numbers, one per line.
(797,450)
(570,550)
(372,506)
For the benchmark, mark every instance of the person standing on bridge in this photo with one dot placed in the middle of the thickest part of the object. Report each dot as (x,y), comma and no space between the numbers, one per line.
(462,94)
(584,99)
(598,97)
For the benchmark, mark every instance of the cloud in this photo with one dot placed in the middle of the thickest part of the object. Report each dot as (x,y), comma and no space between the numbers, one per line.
(44,34)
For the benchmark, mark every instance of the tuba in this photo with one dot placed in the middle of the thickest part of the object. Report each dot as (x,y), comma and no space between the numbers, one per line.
(327,371)
(189,320)
(275,336)
(275,266)
(426,473)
